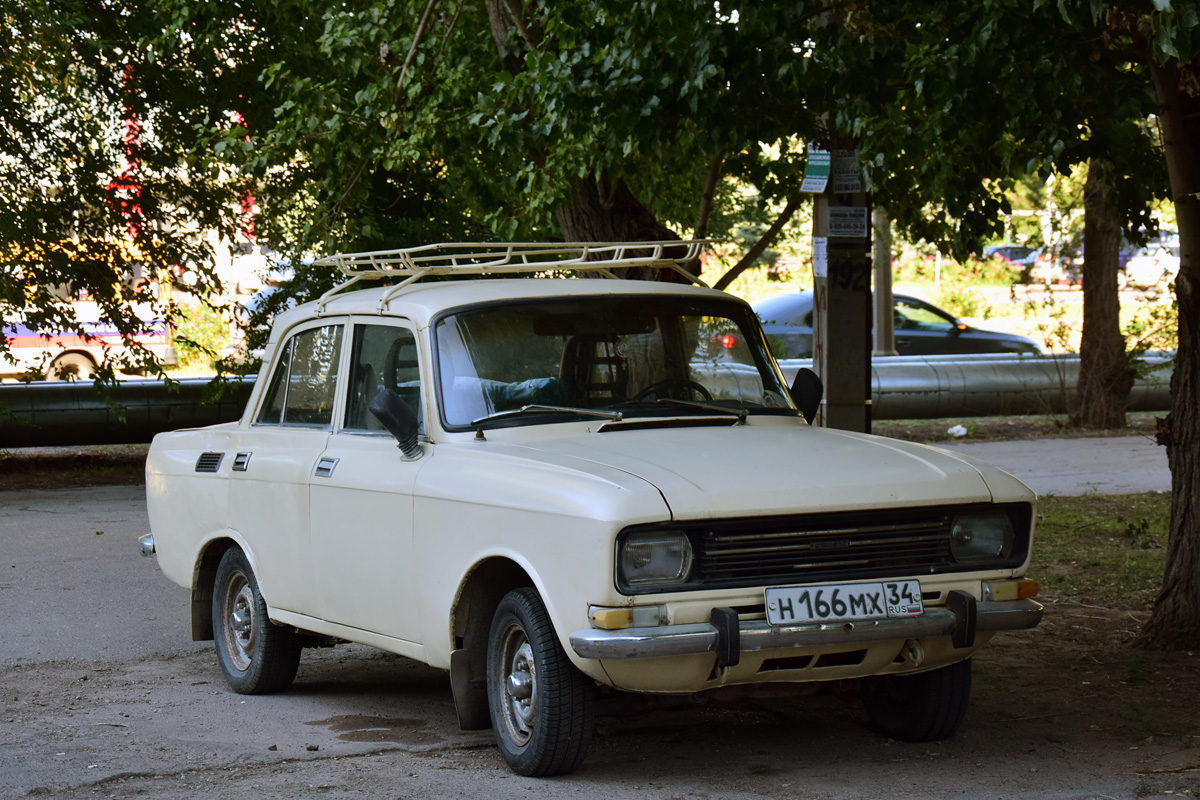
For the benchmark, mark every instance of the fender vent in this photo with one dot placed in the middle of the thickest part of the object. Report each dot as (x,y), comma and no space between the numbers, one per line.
(209,462)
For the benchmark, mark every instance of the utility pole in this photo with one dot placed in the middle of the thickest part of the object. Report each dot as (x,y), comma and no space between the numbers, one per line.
(842,296)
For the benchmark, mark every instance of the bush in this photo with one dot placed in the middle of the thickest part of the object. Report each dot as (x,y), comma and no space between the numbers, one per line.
(972,272)
(963,302)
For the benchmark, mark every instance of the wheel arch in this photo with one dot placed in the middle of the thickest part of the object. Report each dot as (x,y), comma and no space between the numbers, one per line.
(470,625)
(75,351)
(203,575)
(66,355)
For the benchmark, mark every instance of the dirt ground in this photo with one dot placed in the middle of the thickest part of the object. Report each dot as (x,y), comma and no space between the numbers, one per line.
(1066,711)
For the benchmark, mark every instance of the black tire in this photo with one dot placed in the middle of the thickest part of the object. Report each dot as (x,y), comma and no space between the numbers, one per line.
(920,708)
(256,655)
(71,367)
(542,707)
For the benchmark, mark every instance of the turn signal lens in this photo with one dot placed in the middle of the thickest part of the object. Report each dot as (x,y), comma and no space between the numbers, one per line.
(1010,590)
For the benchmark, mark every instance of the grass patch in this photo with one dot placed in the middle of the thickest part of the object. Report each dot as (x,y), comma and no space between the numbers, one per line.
(1003,429)
(1107,550)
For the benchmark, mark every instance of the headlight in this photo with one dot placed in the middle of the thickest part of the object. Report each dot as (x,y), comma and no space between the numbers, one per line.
(655,559)
(981,537)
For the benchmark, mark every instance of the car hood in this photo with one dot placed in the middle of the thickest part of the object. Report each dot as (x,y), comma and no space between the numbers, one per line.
(779,467)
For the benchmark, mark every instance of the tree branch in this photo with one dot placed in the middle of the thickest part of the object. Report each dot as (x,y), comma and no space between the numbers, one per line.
(715,165)
(793,205)
(412,51)
(530,32)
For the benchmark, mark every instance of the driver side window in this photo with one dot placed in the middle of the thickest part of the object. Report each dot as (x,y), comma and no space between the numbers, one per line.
(911,316)
(382,357)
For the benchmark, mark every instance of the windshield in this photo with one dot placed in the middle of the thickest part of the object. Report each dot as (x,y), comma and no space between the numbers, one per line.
(641,356)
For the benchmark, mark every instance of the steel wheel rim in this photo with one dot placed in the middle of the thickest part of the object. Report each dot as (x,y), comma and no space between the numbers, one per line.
(240,626)
(519,687)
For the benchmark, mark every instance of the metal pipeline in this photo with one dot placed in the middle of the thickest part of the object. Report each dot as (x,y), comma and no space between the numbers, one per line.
(52,413)
(932,387)
(902,387)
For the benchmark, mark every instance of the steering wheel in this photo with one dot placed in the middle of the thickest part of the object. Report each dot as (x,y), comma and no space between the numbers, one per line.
(662,389)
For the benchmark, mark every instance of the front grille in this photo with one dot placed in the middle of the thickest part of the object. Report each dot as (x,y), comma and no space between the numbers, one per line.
(823,548)
(814,550)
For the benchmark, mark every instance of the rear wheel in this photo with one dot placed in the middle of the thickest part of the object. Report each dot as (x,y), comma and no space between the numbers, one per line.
(541,705)
(920,708)
(71,367)
(256,655)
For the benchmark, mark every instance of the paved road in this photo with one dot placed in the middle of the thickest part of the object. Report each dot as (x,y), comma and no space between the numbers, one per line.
(1111,465)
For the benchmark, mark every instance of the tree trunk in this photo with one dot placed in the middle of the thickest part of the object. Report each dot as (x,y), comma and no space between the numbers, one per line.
(1175,622)
(606,211)
(1105,374)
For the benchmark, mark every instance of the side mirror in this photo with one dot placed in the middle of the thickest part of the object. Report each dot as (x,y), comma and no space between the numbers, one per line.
(807,391)
(399,420)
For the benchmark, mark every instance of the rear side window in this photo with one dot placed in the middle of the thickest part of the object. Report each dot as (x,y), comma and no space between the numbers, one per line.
(304,384)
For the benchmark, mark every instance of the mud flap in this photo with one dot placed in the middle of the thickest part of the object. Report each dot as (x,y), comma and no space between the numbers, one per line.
(470,694)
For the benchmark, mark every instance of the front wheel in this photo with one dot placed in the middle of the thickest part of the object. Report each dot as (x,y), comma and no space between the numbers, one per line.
(920,708)
(256,655)
(541,706)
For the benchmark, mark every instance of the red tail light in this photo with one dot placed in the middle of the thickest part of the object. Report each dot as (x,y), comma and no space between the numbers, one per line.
(725,340)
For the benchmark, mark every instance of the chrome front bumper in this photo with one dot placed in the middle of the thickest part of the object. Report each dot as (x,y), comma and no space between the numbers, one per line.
(725,635)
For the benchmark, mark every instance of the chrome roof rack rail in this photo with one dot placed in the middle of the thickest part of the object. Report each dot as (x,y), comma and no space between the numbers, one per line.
(480,258)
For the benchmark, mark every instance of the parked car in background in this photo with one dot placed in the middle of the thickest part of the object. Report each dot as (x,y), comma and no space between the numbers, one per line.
(531,485)
(921,329)
(1021,257)
(1157,264)
(1063,267)
(1009,252)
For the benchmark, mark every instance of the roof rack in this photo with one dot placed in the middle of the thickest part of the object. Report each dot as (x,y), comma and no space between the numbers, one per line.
(479,258)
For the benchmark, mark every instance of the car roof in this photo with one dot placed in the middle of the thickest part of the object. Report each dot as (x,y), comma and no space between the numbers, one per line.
(421,302)
(792,303)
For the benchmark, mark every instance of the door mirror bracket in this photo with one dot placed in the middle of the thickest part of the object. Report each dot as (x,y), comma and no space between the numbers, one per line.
(399,420)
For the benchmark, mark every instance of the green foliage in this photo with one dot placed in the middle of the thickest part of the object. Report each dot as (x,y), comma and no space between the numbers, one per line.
(97,134)
(382,123)
(201,335)
(1053,320)
(1154,326)
(962,302)
(1102,549)
(922,268)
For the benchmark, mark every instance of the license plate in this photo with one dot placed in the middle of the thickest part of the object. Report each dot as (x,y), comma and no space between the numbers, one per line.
(846,602)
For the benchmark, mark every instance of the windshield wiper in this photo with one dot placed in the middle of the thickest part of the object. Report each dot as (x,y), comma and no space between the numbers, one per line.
(740,413)
(587,412)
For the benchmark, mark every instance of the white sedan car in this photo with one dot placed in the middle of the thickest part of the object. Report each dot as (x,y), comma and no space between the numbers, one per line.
(1155,265)
(546,487)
